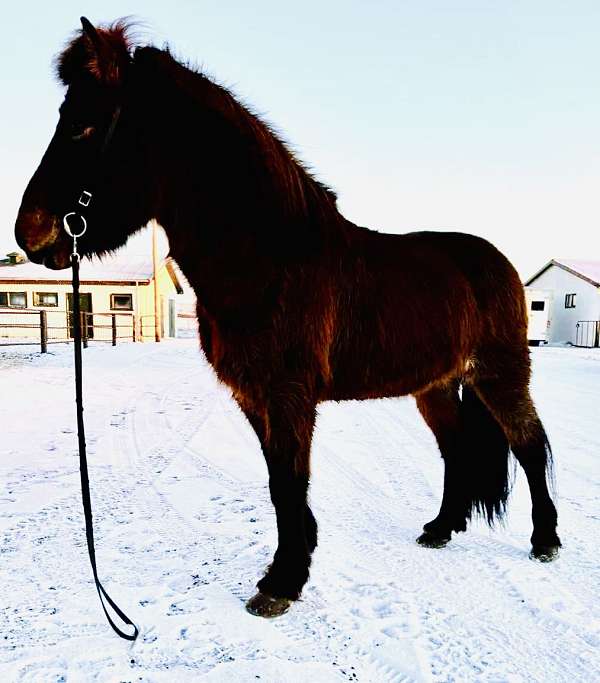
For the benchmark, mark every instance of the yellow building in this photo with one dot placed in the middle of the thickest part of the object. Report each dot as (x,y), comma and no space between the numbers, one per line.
(118,290)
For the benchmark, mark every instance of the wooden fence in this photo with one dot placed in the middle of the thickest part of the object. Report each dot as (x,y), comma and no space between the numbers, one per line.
(44,330)
(52,326)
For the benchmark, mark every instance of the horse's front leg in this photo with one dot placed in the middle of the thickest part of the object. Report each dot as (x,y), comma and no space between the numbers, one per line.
(285,433)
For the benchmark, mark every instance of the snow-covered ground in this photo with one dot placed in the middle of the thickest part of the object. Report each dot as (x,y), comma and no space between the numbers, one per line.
(184,528)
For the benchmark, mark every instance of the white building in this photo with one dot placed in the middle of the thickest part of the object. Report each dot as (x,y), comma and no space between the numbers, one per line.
(572,291)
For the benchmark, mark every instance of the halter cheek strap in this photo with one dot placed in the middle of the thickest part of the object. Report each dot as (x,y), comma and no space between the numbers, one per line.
(86,195)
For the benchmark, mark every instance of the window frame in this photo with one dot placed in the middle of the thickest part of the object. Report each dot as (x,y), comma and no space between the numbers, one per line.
(8,296)
(535,305)
(570,300)
(37,303)
(121,308)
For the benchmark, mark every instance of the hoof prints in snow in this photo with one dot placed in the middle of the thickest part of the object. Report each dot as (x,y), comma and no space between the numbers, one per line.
(185,527)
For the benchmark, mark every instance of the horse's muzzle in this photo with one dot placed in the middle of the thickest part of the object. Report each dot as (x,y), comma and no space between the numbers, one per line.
(40,235)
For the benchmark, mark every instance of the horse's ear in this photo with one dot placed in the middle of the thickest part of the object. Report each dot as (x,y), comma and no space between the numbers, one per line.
(102,52)
(90,31)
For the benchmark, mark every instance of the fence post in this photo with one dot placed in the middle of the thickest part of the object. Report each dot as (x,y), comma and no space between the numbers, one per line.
(134,326)
(44,331)
(84,329)
(114,329)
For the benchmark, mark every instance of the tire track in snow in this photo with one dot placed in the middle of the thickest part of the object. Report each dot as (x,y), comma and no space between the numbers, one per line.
(493,574)
(487,550)
(321,623)
(492,551)
(478,610)
(322,631)
(156,448)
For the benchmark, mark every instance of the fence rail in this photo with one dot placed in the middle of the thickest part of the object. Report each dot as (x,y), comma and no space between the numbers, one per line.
(48,334)
(587,334)
(41,327)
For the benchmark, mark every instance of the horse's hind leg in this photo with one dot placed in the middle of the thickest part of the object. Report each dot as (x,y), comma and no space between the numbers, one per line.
(440,408)
(514,410)
(285,434)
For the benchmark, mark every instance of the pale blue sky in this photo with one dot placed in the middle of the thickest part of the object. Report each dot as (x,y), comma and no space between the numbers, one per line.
(476,116)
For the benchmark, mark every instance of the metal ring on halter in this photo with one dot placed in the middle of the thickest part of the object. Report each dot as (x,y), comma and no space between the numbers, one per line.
(67,227)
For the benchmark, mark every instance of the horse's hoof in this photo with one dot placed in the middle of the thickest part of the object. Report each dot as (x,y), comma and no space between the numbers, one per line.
(428,540)
(262,605)
(544,553)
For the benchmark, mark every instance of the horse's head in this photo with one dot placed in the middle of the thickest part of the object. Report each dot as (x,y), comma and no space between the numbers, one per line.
(96,148)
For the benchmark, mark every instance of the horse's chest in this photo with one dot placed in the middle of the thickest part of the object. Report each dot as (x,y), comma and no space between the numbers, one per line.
(235,356)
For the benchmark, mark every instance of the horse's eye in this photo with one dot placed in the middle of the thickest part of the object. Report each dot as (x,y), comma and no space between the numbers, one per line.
(81,131)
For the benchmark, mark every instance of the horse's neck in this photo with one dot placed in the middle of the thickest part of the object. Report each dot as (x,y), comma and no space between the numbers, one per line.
(235,221)
(237,260)
(235,204)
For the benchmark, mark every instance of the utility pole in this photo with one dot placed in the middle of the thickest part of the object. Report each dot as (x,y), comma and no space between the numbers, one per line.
(155,272)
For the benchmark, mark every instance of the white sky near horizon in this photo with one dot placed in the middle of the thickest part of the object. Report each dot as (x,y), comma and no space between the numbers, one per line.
(475,116)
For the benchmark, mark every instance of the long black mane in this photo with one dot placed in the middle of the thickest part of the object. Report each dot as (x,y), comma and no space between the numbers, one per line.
(284,169)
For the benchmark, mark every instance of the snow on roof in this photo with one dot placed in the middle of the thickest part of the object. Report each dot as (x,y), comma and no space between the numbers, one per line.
(587,270)
(120,268)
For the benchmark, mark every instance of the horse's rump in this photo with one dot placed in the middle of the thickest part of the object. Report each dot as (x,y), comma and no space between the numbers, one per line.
(417,308)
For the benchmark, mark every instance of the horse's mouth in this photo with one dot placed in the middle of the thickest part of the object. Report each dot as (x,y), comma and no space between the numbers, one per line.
(57,261)
(58,258)
(52,258)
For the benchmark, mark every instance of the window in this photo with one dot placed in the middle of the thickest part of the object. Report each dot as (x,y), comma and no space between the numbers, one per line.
(569,300)
(45,299)
(538,305)
(13,299)
(121,302)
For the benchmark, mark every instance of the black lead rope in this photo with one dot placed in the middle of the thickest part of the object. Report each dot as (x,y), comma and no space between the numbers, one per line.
(84,201)
(83,468)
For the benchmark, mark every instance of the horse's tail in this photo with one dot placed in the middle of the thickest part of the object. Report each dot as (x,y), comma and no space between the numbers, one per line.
(486,459)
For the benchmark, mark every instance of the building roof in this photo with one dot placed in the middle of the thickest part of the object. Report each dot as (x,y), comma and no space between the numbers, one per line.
(586,270)
(122,268)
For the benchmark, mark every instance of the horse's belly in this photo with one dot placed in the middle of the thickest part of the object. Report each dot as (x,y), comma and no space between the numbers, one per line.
(397,377)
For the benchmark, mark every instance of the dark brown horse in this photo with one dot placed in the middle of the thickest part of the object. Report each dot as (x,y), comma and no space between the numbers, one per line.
(296,304)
